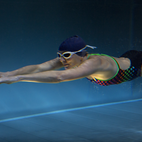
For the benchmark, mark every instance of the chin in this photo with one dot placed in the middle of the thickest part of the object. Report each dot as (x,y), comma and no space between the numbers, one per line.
(68,67)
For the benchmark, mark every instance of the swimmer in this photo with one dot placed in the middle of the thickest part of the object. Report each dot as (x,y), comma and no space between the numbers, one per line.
(78,63)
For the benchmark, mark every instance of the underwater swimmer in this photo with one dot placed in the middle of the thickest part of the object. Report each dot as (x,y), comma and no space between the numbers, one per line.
(99,68)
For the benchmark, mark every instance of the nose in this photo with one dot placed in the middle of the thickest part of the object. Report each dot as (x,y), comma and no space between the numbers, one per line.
(62,59)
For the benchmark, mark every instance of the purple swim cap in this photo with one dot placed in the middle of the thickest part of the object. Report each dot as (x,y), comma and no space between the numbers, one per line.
(74,43)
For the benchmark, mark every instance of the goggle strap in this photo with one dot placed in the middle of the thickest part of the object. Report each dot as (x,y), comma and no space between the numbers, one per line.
(92,47)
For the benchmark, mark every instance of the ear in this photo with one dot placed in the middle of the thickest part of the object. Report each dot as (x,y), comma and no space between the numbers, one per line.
(84,53)
(81,59)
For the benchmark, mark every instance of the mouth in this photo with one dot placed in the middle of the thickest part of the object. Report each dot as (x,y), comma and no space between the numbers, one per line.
(66,65)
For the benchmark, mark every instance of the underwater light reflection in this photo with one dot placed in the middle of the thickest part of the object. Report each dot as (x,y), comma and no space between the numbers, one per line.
(66,110)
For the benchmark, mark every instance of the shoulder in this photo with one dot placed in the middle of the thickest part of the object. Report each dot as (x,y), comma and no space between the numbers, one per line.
(124,63)
(104,61)
(94,61)
(102,57)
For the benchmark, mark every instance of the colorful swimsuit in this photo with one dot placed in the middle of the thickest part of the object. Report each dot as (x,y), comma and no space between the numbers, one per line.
(131,73)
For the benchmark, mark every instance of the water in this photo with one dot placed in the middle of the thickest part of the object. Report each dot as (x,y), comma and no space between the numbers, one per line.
(31,32)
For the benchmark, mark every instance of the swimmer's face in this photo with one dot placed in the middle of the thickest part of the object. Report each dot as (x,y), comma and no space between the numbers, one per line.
(71,62)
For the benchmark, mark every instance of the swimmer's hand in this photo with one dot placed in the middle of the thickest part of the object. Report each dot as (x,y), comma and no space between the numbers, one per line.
(9,80)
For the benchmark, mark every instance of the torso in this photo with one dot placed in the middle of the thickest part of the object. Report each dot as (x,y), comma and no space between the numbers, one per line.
(110,66)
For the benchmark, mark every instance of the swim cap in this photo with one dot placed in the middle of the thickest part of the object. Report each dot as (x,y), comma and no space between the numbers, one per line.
(74,43)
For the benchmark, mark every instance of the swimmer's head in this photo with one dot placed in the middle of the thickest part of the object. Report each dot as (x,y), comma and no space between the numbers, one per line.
(74,44)
(72,52)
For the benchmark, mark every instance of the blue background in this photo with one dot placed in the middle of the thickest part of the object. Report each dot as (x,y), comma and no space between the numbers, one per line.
(31,32)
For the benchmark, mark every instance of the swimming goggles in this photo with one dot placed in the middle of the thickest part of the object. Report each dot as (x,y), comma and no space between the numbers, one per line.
(68,54)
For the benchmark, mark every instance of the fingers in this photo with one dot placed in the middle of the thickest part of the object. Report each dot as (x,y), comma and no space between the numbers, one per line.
(9,80)
(6,80)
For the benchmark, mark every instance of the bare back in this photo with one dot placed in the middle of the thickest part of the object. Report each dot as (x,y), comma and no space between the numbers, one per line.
(109,66)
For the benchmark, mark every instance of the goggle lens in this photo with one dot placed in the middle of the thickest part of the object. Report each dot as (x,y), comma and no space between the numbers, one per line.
(67,55)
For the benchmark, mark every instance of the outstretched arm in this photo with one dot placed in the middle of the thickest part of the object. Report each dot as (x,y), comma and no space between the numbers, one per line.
(49,65)
(94,66)
(84,70)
